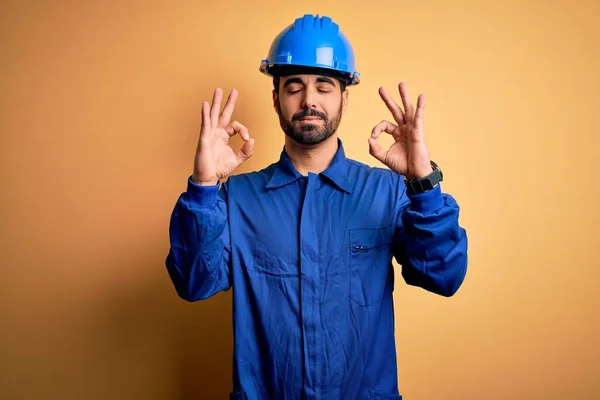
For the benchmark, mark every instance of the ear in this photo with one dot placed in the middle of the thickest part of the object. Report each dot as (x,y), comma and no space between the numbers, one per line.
(276,101)
(345,95)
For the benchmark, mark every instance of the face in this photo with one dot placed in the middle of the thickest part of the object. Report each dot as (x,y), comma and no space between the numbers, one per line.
(310,107)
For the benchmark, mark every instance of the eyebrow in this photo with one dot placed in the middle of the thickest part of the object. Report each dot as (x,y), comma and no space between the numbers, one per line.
(292,80)
(320,79)
(325,80)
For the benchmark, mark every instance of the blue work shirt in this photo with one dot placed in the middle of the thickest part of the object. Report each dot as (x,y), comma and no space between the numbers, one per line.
(309,259)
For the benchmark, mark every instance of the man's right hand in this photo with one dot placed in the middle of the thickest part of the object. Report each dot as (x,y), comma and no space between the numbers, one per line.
(215,159)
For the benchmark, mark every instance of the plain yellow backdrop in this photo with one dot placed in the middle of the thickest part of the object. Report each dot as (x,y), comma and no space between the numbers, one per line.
(99,117)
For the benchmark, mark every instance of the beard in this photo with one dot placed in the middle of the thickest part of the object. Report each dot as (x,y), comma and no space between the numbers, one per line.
(310,134)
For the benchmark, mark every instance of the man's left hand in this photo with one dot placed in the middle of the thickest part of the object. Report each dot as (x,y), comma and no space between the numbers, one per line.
(408,155)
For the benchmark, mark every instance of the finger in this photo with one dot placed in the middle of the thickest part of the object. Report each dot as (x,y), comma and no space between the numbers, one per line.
(376,150)
(216,107)
(205,115)
(392,106)
(246,151)
(228,109)
(408,107)
(236,127)
(384,126)
(205,122)
(419,112)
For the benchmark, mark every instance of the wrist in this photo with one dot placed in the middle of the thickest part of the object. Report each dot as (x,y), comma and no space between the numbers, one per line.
(198,181)
(420,174)
(425,183)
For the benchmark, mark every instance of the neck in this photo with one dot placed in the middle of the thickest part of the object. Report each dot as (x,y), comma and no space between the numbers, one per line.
(313,159)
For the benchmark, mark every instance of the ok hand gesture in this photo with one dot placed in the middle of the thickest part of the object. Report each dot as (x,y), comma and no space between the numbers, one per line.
(215,159)
(408,155)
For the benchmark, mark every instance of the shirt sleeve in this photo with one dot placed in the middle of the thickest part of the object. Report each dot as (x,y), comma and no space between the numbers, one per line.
(200,248)
(429,243)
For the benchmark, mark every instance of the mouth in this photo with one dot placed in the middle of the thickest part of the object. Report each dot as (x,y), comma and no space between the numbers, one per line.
(304,119)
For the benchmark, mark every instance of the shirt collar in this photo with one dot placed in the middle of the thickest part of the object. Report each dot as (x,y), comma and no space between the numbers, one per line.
(336,173)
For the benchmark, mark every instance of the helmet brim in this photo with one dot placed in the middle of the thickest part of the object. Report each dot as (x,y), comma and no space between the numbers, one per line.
(287,70)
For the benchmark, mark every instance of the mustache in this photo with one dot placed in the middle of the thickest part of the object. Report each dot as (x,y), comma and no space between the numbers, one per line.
(309,113)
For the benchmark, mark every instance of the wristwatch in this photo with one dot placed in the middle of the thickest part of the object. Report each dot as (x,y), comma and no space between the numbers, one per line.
(422,185)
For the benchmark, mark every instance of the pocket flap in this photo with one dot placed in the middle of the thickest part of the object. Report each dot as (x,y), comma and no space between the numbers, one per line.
(365,239)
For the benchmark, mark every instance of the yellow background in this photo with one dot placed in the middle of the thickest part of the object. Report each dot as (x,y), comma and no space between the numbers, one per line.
(99,117)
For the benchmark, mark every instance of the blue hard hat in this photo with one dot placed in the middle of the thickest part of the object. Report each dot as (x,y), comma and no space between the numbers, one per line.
(311,43)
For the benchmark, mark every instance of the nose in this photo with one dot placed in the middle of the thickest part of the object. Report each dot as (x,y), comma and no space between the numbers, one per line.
(310,98)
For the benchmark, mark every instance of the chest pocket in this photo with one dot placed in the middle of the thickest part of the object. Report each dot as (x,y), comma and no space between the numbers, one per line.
(370,262)
(274,260)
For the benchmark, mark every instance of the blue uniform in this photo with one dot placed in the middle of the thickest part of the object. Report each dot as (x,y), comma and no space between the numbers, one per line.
(309,259)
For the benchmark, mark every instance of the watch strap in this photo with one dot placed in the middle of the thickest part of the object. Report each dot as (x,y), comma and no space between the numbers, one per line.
(422,185)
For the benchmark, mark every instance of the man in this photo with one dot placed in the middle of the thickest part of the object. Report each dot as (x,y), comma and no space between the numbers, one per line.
(307,243)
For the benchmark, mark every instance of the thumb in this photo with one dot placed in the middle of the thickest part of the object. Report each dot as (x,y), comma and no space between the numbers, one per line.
(246,151)
(376,150)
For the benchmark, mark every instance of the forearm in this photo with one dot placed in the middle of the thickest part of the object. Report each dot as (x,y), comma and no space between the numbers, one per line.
(435,245)
(199,253)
